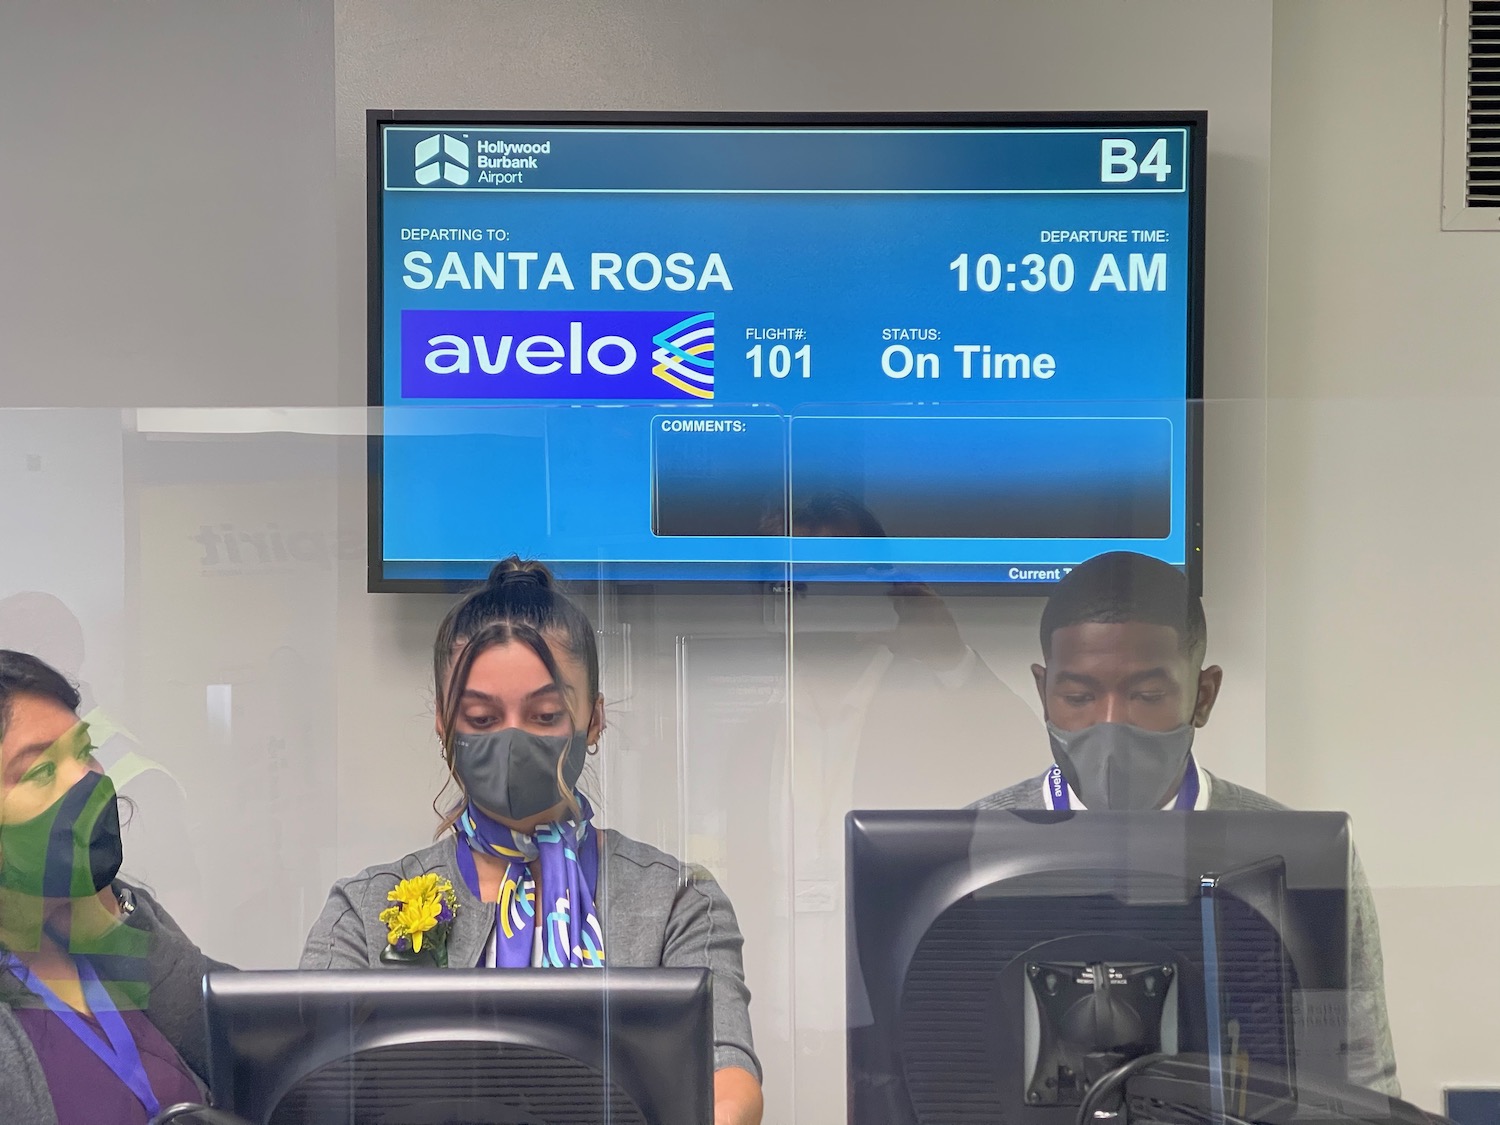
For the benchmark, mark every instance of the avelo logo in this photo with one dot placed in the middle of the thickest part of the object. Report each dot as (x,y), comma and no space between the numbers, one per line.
(587,355)
(684,355)
(441,157)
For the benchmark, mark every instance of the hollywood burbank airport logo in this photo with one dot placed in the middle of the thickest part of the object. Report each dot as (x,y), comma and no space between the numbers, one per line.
(441,157)
(598,355)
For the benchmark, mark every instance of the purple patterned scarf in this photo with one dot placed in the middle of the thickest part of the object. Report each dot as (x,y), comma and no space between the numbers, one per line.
(569,853)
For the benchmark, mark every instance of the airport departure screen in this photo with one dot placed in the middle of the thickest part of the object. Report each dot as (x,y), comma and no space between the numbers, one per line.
(860,352)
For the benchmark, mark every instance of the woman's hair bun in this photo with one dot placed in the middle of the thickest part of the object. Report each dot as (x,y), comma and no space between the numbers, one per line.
(516,571)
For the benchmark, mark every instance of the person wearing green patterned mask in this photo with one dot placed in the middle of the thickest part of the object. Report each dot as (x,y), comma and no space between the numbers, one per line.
(100,992)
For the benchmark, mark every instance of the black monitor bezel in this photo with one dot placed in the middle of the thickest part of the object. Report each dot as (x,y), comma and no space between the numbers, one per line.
(1195,121)
(557,1008)
(940,857)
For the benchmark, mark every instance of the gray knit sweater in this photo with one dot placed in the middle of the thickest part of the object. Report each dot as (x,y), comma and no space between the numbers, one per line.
(1372,1060)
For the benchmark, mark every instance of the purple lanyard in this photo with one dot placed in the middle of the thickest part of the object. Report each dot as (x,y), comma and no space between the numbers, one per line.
(116,1049)
(1187,794)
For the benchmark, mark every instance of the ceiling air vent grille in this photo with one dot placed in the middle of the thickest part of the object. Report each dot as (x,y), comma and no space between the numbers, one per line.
(1471,115)
(1482,152)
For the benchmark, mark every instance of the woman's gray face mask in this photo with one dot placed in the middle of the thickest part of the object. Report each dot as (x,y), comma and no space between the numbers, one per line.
(513,774)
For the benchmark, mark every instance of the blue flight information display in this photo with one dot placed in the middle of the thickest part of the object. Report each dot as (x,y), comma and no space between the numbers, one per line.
(865,350)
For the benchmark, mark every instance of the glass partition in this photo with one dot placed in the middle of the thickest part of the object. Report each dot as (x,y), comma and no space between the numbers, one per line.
(272,727)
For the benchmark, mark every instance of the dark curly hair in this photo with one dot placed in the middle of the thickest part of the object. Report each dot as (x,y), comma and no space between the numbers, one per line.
(24,674)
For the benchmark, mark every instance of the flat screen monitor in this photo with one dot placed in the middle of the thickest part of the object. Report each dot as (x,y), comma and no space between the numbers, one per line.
(1001,962)
(477,1046)
(959,349)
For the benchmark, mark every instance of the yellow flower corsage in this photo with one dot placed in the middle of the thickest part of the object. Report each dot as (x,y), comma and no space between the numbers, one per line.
(420,919)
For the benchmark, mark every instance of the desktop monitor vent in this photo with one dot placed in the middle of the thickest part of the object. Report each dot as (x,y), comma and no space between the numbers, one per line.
(435,1083)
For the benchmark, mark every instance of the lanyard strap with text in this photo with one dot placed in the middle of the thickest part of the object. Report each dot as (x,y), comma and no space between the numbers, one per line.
(1059,798)
(116,1048)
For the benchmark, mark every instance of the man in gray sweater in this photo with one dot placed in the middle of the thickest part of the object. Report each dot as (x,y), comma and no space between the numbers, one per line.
(1124,689)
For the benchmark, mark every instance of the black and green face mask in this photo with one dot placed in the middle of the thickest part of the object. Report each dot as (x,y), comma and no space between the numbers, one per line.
(71,850)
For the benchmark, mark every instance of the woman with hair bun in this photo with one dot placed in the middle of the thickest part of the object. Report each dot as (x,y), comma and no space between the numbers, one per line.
(516,679)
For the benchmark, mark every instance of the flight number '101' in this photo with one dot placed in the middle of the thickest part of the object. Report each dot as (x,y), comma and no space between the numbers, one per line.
(778,360)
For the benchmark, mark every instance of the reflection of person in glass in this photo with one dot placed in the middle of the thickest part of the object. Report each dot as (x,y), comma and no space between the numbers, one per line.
(101,1021)
(516,674)
(879,670)
(42,624)
(1124,690)
(916,624)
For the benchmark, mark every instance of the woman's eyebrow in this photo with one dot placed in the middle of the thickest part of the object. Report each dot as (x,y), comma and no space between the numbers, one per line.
(23,759)
(545,689)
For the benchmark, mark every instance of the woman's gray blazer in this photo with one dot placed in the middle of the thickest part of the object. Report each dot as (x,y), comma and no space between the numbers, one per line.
(654,910)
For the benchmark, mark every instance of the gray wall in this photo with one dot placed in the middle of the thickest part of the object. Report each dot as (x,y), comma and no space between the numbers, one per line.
(168,203)
(1382,549)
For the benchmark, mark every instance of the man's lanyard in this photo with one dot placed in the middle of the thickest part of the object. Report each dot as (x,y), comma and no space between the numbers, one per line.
(1058,797)
(116,1048)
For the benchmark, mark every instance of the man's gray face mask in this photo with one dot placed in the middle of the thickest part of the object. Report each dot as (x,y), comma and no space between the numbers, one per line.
(1118,766)
(512,773)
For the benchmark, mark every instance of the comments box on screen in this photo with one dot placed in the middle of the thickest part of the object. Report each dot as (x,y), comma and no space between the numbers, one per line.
(718,475)
(991,478)
(917,477)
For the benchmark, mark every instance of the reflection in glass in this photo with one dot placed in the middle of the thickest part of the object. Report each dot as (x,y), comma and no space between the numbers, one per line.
(97,978)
